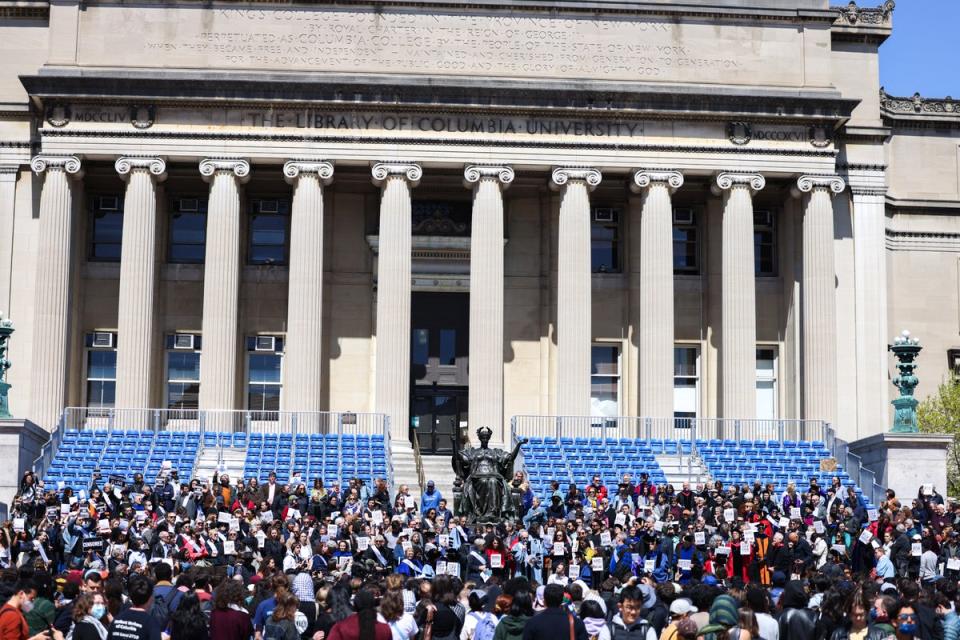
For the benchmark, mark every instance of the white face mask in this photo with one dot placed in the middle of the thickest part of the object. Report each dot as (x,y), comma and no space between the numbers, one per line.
(26,606)
(98,610)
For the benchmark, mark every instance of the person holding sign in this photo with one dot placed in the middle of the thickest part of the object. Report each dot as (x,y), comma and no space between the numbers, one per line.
(497,558)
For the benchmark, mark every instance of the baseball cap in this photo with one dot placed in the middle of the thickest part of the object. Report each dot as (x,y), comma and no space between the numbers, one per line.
(682,606)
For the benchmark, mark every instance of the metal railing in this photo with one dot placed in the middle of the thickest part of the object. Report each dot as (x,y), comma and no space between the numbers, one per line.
(216,421)
(865,478)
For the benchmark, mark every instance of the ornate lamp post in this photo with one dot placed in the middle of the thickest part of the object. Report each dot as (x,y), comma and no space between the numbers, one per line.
(906,349)
(6,328)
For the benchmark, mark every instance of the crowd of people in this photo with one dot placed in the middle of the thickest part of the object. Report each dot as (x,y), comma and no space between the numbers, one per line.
(224,559)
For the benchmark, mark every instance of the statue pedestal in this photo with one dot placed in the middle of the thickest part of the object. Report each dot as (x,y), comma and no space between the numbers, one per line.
(20,444)
(906,461)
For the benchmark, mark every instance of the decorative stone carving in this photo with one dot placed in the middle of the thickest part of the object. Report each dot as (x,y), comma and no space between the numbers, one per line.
(918,104)
(854,15)
(643,178)
(142,116)
(383,170)
(58,115)
(562,175)
(739,133)
(156,166)
(69,164)
(239,167)
(806,184)
(753,181)
(293,168)
(473,174)
(820,136)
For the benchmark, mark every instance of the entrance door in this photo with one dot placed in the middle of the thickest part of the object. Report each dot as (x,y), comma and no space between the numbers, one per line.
(438,369)
(436,416)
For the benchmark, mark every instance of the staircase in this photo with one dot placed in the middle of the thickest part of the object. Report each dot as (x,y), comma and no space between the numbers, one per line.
(682,468)
(436,468)
(220,460)
(440,470)
(404,466)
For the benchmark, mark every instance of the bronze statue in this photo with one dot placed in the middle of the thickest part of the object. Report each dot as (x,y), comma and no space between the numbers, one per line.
(486,474)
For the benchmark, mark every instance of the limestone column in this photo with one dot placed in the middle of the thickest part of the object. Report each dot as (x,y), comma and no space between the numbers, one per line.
(819,297)
(8,199)
(486,296)
(393,293)
(738,351)
(574,332)
(303,368)
(136,325)
(219,356)
(52,290)
(656,290)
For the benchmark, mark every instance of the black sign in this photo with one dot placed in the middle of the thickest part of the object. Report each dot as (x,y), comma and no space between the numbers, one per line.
(93,544)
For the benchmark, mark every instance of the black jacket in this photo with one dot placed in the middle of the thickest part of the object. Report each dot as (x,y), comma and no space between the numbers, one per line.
(554,623)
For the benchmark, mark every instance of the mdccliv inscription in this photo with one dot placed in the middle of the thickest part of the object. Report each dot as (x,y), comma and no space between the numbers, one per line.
(399,40)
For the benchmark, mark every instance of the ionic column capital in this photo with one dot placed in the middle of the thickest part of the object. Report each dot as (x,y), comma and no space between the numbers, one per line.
(644,178)
(729,180)
(474,173)
(806,184)
(410,172)
(293,168)
(239,167)
(562,175)
(68,164)
(156,167)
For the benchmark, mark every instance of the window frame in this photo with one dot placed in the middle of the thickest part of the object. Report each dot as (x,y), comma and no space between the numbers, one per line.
(284,203)
(774,377)
(87,379)
(697,268)
(618,345)
(94,206)
(771,231)
(168,349)
(173,210)
(697,378)
(278,351)
(618,238)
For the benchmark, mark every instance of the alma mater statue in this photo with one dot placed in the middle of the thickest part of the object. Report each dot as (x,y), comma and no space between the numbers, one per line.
(486,475)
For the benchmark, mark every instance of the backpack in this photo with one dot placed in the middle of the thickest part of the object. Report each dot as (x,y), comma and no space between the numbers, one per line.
(486,626)
(160,610)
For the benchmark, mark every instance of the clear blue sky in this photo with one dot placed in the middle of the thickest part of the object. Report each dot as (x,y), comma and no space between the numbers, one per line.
(923,54)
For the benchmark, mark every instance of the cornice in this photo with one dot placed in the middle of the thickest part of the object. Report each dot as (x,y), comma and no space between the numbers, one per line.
(922,241)
(24,10)
(919,110)
(865,24)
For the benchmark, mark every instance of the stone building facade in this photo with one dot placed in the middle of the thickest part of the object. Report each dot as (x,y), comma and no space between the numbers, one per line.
(470,212)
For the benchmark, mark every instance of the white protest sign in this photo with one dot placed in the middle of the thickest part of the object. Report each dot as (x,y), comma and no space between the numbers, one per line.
(650,565)
(18,524)
(103,525)
(729,515)
(953,564)
(407,545)
(723,551)
(441,567)
(377,517)
(444,540)
(699,538)
(293,514)
(748,537)
(408,502)
(875,543)
(64,509)
(794,513)
(597,564)
(784,523)
(229,548)
(266,517)
(818,526)
(916,549)
(575,545)
(496,561)
(865,536)
(61,485)
(223,517)
(406,531)
(558,549)
(621,519)
(684,565)
(873,515)
(839,548)
(658,526)
(605,539)
(928,489)
(744,548)
(363,543)
(551,531)
(261,537)
(332,530)
(453,569)
(574,571)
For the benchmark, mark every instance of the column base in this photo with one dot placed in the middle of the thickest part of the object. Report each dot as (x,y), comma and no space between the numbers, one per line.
(906,461)
(20,444)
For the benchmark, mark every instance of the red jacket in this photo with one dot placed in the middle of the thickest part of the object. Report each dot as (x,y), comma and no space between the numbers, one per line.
(349,629)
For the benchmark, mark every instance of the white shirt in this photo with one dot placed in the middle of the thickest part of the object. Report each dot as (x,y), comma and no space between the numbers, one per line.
(769,628)
(403,628)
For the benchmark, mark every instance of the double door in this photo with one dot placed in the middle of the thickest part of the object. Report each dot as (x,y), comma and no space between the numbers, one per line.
(437,414)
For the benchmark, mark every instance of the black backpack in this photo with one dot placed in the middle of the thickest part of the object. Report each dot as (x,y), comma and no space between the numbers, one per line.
(160,610)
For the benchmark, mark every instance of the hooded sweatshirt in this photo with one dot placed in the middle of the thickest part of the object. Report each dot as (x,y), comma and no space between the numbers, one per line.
(796,622)
(510,628)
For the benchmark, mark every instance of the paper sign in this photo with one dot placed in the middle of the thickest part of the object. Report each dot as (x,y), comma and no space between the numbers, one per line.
(873,515)
(343,561)
(928,489)
(699,538)
(953,564)
(18,524)
(597,564)
(93,544)
(875,543)
(916,549)
(363,544)
(496,561)
(621,519)
(64,509)
(818,526)
(266,517)
(293,514)
(332,530)
(784,523)
(377,517)
(574,571)
(650,565)
(223,517)
(141,516)
(406,545)
(744,548)
(723,551)
(229,548)
(558,549)
(234,524)
(82,494)
(441,567)
(748,537)
(444,540)
(684,565)
(261,538)
(794,513)
(551,531)
(453,569)
(72,500)
(408,502)
(658,525)
(103,525)
(865,536)
(124,525)
(61,485)
(406,531)
(839,548)
(575,545)
(605,539)
(729,515)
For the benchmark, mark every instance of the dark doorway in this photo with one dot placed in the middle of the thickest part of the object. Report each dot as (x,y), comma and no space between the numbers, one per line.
(438,369)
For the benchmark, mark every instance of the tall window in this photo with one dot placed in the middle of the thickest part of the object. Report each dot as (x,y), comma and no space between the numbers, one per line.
(605,240)
(686,381)
(106,228)
(188,230)
(764,243)
(101,351)
(269,222)
(953,361)
(264,377)
(605,380)
(766,383)
(183,371)
(686,246)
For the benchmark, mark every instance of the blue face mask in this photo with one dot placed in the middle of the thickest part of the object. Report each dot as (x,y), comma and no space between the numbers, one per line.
(909,628)
(98,611)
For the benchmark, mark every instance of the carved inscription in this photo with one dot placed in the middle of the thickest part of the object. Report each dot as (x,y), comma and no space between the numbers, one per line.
(402,41)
